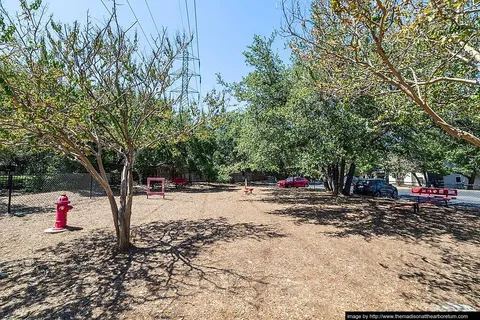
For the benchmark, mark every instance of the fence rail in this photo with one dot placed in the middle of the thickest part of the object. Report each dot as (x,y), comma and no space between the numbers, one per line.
(27,193)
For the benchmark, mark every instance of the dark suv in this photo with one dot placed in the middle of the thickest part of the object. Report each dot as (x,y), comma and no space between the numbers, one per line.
(375,187)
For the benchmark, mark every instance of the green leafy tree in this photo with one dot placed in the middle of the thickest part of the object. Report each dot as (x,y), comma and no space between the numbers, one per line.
(85,90)
(291,126)
(416,48)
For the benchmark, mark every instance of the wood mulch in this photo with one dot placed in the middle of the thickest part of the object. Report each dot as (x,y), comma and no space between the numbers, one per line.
(214,252)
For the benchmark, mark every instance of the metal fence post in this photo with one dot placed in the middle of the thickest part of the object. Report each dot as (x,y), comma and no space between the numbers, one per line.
(10,187)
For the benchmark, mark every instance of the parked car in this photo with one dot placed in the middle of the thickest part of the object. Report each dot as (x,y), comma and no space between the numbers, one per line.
(375,187)
(297,182)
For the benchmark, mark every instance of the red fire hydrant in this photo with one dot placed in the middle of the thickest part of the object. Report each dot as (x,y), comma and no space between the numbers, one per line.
(63,206)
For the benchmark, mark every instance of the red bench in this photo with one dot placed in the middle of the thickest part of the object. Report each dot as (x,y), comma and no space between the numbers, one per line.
(248,190)
(430,195)
(179,182)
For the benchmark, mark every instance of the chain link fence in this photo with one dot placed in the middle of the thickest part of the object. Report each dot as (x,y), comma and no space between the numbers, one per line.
(32,193)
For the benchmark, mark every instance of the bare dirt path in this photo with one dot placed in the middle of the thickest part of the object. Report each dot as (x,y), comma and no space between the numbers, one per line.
(210,252)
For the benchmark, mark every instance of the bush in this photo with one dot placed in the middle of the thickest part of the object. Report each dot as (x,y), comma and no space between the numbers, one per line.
(34,183)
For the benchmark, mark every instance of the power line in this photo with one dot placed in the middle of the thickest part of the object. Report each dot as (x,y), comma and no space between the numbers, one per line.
(198,47)
(141,28)
(188,19)
(181,14)
(106,7)
(188,61)
(196,30)
(190,34)
(151,15)
(191,43)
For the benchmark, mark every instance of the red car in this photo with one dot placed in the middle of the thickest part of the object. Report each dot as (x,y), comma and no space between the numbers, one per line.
(297,182)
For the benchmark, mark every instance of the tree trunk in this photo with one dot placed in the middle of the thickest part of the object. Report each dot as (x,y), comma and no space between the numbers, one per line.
(348,183)
(125,210)
(324,171)
(425,176)
(471,181)
(335,178)
(114,209)
(139,178)
(330,177)
(416,178)
(341,174)
(326,185)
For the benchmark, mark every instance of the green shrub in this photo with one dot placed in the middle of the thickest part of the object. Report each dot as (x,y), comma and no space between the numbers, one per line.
(34,183)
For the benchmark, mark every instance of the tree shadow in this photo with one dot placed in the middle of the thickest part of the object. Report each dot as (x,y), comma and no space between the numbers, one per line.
(205,188)
(299,196)
(28,203)
(454,275)
(88,279)
(22,208)
(196,187)
(92,194)
(375,217)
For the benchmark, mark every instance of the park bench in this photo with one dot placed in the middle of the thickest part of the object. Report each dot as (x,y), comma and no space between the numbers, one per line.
(425,195)
(248,190)
(179,182)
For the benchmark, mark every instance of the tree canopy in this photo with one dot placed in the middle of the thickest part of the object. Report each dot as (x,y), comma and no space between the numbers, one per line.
(425,50)
(84,89)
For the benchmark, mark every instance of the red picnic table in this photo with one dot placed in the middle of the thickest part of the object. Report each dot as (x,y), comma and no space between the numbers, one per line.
(248,190)
(179,182)
(429,195)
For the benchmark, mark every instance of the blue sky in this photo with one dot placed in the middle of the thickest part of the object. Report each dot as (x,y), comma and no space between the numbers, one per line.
(225,27)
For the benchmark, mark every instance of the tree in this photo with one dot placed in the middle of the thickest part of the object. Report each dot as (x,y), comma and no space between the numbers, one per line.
(263,133)
(335,135)
(420,150)
(292,126)
(411,47)
(84,90)
(464,158)
(28,160)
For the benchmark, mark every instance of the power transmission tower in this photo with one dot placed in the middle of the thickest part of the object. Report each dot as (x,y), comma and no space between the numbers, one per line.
(187,94)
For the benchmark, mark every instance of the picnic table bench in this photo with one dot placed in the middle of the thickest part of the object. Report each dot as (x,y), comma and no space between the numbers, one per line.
(425,195)
(179,182)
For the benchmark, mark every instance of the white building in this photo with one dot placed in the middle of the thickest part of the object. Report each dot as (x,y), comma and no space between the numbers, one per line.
(459,181)
(455,181)
(408,180)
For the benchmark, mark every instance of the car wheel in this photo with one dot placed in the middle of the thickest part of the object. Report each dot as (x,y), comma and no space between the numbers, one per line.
(376,194)
(395,194)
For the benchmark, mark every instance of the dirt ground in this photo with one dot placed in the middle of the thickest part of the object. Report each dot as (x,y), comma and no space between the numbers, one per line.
(212,252)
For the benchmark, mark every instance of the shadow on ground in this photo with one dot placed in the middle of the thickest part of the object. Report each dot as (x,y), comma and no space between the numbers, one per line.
(196,187)
(88,279)
(41,202)
(24,208)
(455,274)
(375,217)
(205,188)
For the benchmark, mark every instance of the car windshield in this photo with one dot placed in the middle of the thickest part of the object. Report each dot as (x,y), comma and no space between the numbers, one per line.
(289,179)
